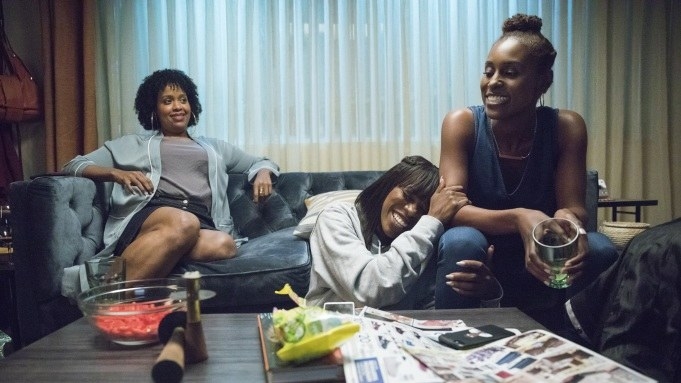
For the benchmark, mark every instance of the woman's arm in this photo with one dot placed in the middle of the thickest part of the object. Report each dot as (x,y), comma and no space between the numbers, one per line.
(99,165)
(457,142)
(261,171)
(571,167)
(343,264)
(571,182)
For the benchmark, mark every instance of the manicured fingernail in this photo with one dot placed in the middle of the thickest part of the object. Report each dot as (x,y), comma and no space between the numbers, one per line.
(547,271)
(460,263)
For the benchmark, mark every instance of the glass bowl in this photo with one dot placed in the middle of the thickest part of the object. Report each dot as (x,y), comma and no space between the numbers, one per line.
(129,312)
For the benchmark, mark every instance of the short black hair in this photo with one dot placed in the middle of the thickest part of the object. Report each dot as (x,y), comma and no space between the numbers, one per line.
(152,85)
(414,174)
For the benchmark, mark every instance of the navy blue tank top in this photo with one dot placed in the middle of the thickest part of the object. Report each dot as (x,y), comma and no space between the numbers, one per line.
(536,189)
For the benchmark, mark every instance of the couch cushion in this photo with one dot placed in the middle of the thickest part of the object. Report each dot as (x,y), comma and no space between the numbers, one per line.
(262,265)
(316,204)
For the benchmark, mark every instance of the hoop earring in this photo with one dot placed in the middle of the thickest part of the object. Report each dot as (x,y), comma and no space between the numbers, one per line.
(152,120)
(541,100)
(195,120)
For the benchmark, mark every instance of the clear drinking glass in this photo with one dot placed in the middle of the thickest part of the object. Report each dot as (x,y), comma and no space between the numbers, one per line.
(105,270)
(556,241)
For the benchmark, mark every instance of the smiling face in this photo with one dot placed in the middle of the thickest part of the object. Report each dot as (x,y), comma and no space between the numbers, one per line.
(510,83)
(173,111)
(400,212)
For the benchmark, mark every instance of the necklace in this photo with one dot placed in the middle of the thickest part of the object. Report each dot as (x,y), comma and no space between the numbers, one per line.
(509,156)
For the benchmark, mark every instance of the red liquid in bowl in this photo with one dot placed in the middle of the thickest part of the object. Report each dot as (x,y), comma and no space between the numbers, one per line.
(129,323)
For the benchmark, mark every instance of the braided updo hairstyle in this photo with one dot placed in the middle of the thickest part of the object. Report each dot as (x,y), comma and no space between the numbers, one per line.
(527,30)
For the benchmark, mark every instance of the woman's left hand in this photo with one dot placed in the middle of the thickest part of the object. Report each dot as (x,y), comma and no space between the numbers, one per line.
(574,266)
(477,280)
(262,185)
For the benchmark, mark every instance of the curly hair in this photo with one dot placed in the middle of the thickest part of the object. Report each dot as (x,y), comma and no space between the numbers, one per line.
(527,30)
(152,85)
(414,174)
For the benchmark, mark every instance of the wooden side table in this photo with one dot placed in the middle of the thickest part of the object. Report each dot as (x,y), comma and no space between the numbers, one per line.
(617,204)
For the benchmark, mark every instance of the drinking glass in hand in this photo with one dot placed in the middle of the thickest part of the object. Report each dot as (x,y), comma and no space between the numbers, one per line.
(556,242)
(105,270)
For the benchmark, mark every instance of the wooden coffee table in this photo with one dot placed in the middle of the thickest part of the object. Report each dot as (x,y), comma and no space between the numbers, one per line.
(76,353)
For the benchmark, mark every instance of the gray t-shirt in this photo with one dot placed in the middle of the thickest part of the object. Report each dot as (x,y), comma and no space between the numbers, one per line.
(184,165)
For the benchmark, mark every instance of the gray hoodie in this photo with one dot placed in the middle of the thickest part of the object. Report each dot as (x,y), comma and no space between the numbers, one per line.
(343,270)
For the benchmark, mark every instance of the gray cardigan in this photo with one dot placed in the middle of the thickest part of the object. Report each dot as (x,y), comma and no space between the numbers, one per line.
(142,151)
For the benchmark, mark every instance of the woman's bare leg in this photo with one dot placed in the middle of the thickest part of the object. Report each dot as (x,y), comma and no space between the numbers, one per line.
(213,245)
(165,237)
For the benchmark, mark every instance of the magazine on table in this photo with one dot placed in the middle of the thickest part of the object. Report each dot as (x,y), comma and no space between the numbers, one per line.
(387,350)
(531,356)
(376,355)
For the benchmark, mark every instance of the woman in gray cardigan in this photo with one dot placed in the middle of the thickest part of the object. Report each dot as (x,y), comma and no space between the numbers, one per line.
(169,196)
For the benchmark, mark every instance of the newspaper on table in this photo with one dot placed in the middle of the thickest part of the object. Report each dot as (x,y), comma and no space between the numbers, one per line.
(394,352)
(373,355)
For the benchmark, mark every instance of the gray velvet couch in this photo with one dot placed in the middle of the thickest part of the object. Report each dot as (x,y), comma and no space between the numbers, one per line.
(58,221)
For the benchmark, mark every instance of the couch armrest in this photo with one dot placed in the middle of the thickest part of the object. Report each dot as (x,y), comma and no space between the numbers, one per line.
(57,222)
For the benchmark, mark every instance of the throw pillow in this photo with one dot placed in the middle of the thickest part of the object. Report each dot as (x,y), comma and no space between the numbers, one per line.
(316,204)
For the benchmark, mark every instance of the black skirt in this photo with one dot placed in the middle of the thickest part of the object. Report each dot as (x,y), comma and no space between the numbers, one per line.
(132,229)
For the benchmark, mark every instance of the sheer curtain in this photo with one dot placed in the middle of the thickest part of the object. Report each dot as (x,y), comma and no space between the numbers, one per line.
(316,85)
(338,85)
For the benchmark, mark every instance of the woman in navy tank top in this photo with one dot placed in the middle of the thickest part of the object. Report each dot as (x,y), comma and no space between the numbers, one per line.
(519,164)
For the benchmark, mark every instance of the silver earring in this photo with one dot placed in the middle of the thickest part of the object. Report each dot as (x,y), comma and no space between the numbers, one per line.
(541,100)
(152,120)
(195,120)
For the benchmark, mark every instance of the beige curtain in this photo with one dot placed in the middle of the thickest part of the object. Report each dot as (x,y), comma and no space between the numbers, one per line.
(68,54)
(327,107)
(629,95)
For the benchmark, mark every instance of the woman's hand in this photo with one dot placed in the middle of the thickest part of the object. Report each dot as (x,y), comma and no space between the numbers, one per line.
(262,185)
(446,202)
(575,265)
(527,220)
(534,264)
(477,280)
(135,182)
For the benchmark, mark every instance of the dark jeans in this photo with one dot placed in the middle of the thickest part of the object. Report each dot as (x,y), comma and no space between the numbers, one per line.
(521,289)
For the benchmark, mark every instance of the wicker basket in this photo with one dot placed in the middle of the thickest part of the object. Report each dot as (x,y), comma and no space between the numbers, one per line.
(622,232)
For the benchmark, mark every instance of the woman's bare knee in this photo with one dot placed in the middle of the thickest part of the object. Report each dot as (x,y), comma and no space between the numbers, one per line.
(213,245)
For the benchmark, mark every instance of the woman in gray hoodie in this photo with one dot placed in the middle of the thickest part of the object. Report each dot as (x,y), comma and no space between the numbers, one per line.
(379,251)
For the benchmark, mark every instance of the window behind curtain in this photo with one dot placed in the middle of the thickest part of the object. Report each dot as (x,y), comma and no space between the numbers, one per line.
(315,85)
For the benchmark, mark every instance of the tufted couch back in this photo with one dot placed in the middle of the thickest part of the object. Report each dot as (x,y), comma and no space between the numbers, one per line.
(286,206)
(58,222)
